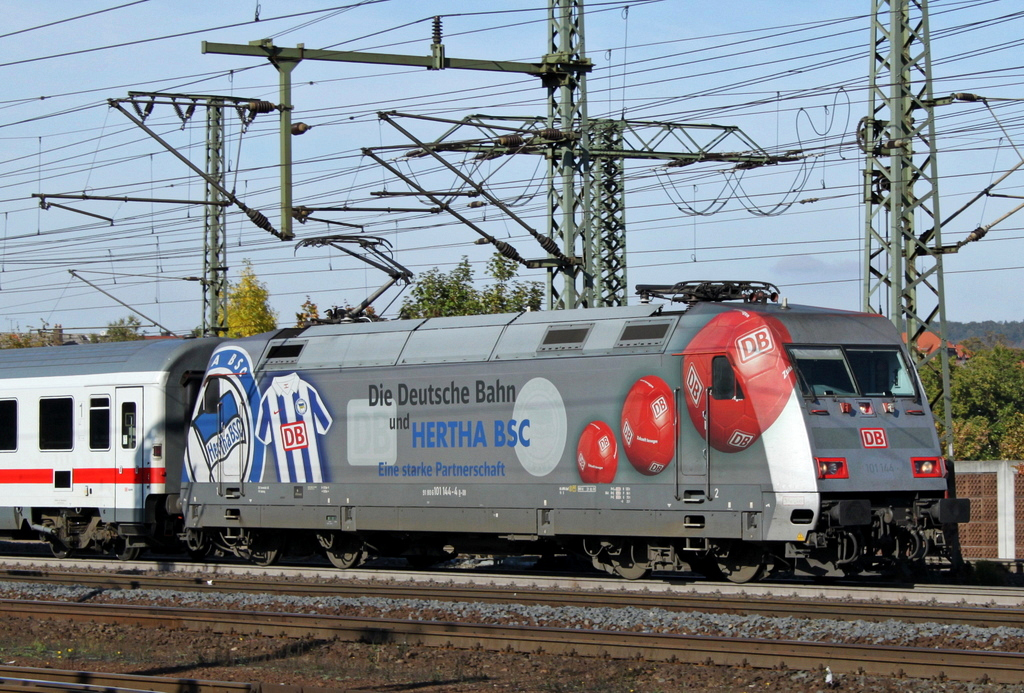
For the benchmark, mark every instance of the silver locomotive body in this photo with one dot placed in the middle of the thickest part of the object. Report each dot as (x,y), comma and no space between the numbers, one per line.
(720,438)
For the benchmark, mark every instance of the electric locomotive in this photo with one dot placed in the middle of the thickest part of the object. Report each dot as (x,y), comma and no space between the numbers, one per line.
(729,438)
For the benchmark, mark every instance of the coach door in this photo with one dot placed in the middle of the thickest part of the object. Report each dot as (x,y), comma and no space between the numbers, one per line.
(128,453)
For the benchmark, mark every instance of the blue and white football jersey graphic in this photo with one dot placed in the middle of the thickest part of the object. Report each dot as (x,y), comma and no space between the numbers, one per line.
(293,416)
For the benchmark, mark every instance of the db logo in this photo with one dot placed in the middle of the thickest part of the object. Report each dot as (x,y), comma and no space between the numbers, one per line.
(754,344)
(739,439)
(293,436)
(693,385)
(659,407)
(627,432)
(603,443)
(873,438)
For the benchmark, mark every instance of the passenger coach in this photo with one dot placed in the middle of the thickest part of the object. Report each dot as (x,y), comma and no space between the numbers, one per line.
(92,440)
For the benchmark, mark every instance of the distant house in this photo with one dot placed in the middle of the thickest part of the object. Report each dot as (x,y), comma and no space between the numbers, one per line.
(930,341)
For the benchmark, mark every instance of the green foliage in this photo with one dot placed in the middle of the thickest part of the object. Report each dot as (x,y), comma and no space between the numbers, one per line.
(437,294)
(988,401)
(123,330)
(248,307)
(1011,444)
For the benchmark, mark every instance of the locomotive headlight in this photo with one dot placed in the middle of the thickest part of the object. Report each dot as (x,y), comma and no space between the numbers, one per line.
(928,467)
(832,468)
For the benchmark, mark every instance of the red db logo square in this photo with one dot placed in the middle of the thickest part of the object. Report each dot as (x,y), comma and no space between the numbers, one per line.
(873,438)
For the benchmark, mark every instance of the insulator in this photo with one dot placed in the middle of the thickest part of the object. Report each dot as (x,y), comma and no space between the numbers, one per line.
(549,245)
(260,107)
(259,219)
(437,29)
(510,140)
(553,134)
(508,251)
(476,204)
(299,128)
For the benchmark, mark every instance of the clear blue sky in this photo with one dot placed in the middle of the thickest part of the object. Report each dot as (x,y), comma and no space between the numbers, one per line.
(792,74)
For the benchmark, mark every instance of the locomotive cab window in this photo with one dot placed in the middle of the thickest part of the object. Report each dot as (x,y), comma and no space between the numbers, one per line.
(99,423)
(881,372)
(56,423)
(8,425)
(822,371)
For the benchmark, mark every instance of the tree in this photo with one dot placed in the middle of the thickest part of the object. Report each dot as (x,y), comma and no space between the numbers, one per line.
(123,330)
(988,400)
(308,314)
(17,340)
(505,296)
(248,308)
(33,338)
(437,294)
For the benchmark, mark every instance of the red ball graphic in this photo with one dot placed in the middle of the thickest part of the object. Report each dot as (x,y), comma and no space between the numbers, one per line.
(753,344)
(648,425)
(597,454)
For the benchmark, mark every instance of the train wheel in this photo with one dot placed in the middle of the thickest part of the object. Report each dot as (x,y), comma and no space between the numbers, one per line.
(198,544)
(263,548)
(123,552)
(60,550)
(625,565)
(342,551)
(264,557)
(741,563)
(630,571)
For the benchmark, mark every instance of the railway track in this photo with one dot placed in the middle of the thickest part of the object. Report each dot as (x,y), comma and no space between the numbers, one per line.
(883,660)
(32,680)
(986,614)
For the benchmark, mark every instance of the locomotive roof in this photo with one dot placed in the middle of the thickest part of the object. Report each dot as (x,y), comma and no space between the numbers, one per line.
(115,357)
(645,328)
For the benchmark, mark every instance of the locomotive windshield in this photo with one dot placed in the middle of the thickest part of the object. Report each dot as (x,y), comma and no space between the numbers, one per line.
(852,371)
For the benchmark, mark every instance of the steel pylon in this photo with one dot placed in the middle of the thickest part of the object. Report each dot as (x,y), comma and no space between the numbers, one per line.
(903,252)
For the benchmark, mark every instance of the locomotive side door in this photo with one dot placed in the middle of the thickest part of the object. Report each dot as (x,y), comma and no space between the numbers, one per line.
(709,382)
(128,454)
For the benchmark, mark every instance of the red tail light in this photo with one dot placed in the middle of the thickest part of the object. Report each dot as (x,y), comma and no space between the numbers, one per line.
(832,468)
(925,467)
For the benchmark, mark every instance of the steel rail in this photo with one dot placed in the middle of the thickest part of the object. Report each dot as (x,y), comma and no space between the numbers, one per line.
(987,616)
(841,658)
(30,679)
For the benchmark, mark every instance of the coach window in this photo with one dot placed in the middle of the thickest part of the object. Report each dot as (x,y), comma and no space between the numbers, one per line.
(56,423)
(723,380)
(99,423)
(8,425)
(128,425)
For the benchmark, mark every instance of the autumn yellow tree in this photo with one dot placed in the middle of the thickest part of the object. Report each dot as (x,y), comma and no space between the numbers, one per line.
(308,314)
(249,310)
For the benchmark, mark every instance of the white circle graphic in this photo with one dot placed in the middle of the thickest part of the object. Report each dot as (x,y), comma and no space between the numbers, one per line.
(540,403)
